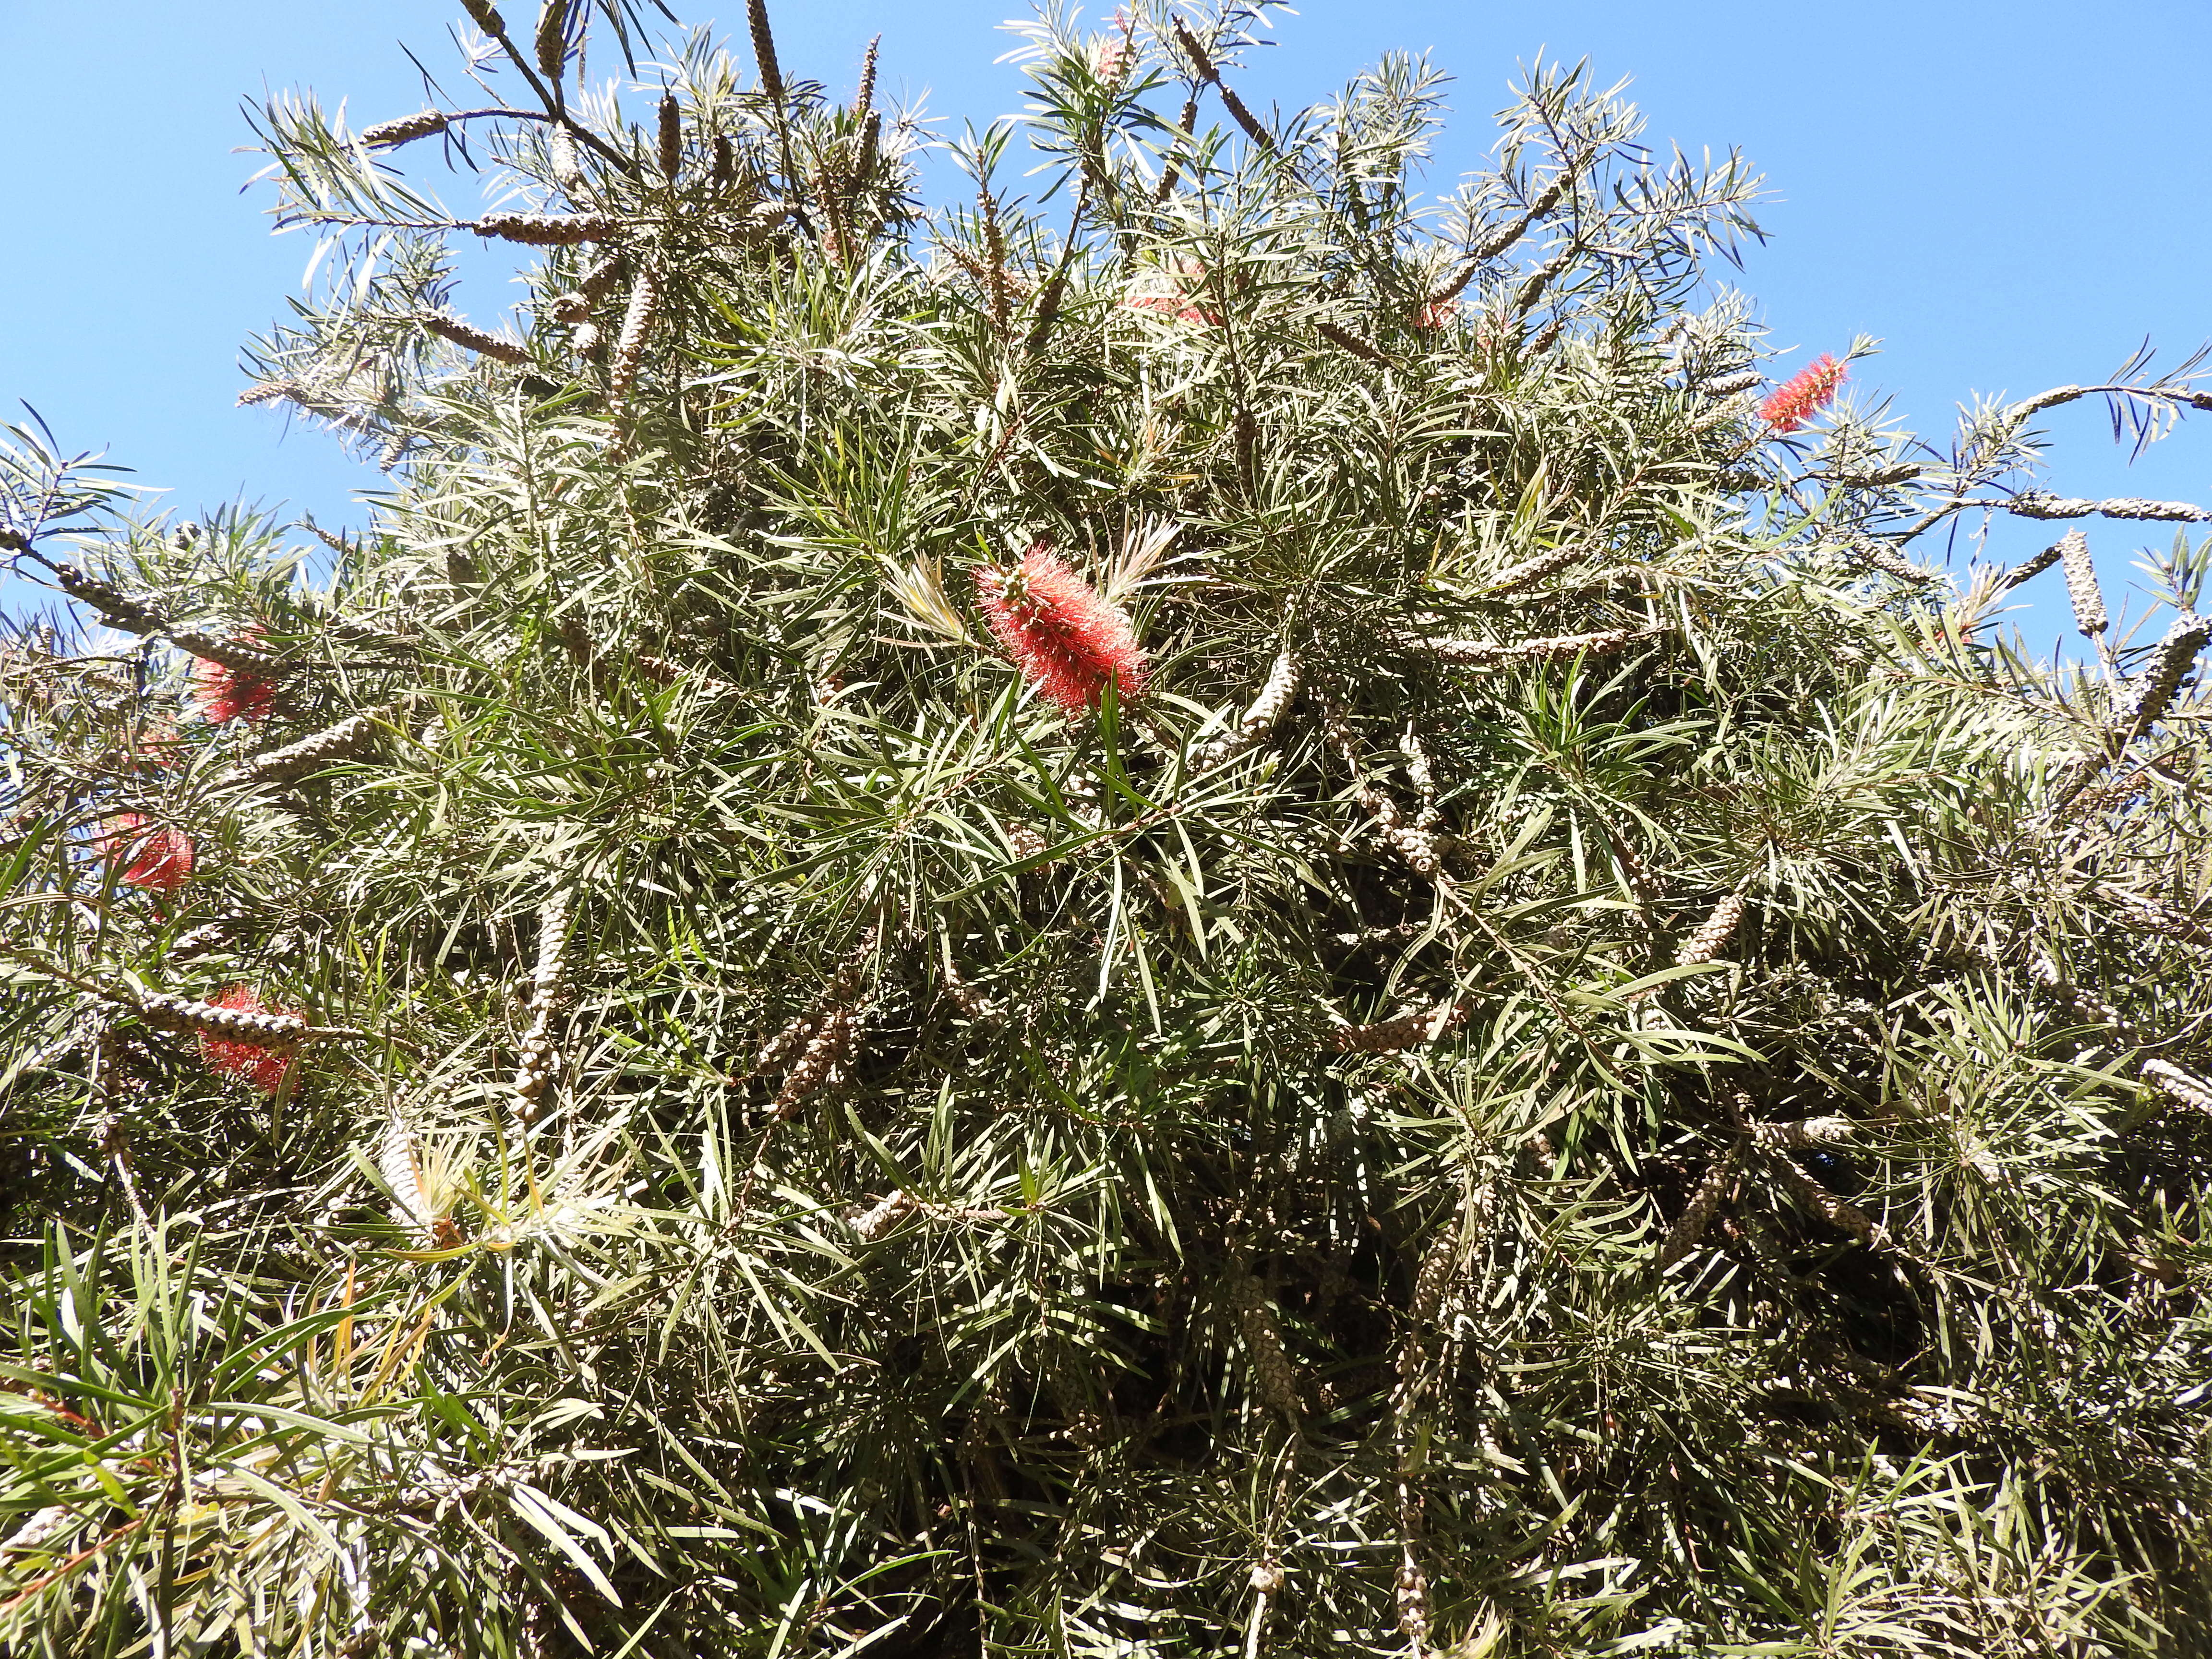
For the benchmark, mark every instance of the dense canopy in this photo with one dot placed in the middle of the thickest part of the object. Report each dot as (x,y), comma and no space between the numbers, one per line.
(1196,907)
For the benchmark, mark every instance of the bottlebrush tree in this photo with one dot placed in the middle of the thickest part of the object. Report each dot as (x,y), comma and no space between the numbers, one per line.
(1182,911)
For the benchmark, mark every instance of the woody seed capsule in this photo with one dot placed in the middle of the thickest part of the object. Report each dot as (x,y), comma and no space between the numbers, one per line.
(2081,584)
(549,229)
(390,135)
(1713,933)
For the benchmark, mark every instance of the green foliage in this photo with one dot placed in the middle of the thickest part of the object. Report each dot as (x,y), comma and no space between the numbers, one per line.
(1645,1096)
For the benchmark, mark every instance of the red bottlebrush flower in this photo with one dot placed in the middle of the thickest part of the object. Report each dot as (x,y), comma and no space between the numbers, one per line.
(1067,639)
(265,1068)
(1803,395)
(156,857)
(1435,314)
(227,694)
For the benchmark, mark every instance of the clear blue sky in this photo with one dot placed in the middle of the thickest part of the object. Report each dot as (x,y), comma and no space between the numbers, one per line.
(2010,195)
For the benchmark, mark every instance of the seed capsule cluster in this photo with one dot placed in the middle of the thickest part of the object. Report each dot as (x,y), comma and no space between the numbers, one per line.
(1712,933)
(186,1016)
(817,1045)
(390,135)
(1529,572)
(1803,1132)
(2185,1088)
(549,229)
(1277,1382)
(2031,568)
(399,1161)
(1409,1031)
(1886,559)
(1483,653)
(296,760)
(200,940)
(1836,1212)
(2081,584)
(1275,694)
(2176,656)
(637,328)
(1690,1226)
(556,917)
(2036,504)
(231,653)
(116,608)
(472,338)
(1417,846)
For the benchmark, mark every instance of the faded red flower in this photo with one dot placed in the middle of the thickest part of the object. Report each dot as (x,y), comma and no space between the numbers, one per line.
(1067,641)
(227,694)
(1435,314)
(1803,395)
(153,856)
(1114,51)
(263,1067)
(1174,294)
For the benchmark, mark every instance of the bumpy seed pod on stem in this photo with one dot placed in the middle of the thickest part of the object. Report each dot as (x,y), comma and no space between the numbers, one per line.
(230,1015)
(771,74)
(670,136)
(1887,559)
(843,987)
(1801,1133)
(552,42)
(637,329)
(1531,571)
(485,18)
(1417,848)
(237,654)
(1712,933)
(2182,1087)
(116,609)
(2031,568)
(399,1161)
(2081,584)
(547,229)
(1482,654)
(1412,1030)
(555,919)
(1203,63)
(879,1218)
(568,169)
(1274,1378)
(2176,656)
(295,760)
(823,1063)
(1731,385)
(1838,1213)
(1257,721)
(200,940)
(390,135)
(863,99)
(1690,1226)
(475,339)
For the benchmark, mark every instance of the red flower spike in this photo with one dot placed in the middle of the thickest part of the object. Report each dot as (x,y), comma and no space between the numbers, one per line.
(1435,314)
(1803,395)
(1067,639)
(157,858)
(227,694)
(265,1068)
